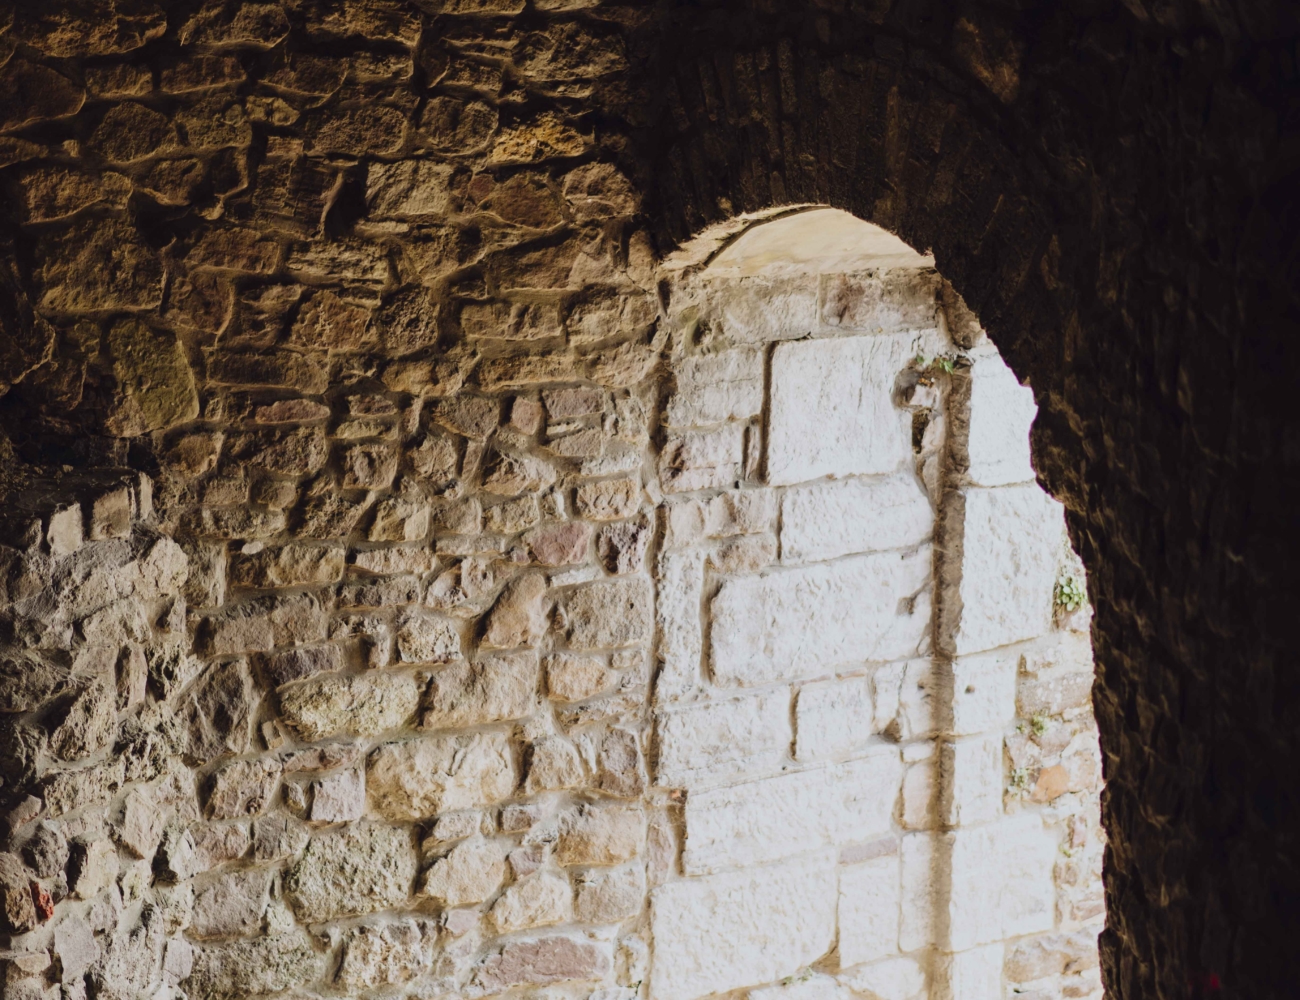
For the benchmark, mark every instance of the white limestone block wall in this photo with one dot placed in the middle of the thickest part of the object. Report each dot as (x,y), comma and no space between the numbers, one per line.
(871,714)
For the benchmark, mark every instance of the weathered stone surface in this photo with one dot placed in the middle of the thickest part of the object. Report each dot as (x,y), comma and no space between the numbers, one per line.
(386,955)
(510,475)
(340,798)
(869,902)
(829,520)
(614,613)
(537,900)
(243,788)
(287,566)
(573,677)
(519,616)
(230,905)
(215,845)
(610,499)
(359,869)
(797,623)
(600,835)
(360,705)
(285,665)
(545,960)
(742,928)
(560,545)
(155,386)
(471,872)
(735,512)
(832,410)
(553,764)
(427,639)
(1012,546)
(92,867)
(717,740)
(1001,413)
(712,388)
(89,725)
(420,778)
(1002,882)
(984,692)
(261,965)
(761,821)
(17,908)
(702,460)
(141,825)
(893,979)
(609,897)
(833,717)
(622,547)
(218,710)
(492,689)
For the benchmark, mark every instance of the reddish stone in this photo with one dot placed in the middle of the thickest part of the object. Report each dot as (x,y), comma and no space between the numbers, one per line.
(560,545)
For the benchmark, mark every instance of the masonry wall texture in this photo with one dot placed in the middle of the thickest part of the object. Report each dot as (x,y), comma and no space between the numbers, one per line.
(281,276)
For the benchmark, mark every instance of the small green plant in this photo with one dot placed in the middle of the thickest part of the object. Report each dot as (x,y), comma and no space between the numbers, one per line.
(1020,779)
(1038,725)
(1069,594)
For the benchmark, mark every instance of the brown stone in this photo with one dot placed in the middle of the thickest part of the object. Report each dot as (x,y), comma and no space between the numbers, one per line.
(131,131)
(33,92)
(519,616)
(468,415)
(17,909)
(55,193)
(368,465)
(288,566)
(329,322)
(452,124)
(97,266)
(361,131)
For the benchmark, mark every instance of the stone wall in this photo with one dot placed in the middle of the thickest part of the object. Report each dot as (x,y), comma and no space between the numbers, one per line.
(648,683)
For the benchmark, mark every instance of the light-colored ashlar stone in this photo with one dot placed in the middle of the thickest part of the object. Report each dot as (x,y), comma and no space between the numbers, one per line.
(1001,881)
(791,624)
(900,978)
(470,872)
(713,741)
(541,899)
(974,787)
(231,904)
(359,869)
(760,821)
(702,460)
(974,973)
(922,888)
(541,961)
(833,519)
(741,928)
(734,512)
(610,613)
(984,692)
(805,986)
(359,705)
(387,954)
(897,298)
(712,388)
(600,835)
(490,690)
(833,718)
(420,778)
(759,308)
(869,900)
(681,630)
(832,411)
(1012,543)
(1001,414)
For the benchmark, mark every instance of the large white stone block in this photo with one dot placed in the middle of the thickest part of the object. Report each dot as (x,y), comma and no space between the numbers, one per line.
(805,986)
(1001,881)
(984,692)
(803,623)
(713,741)
(829,520)
(833,718)
(870,895)
(760,308)
(1001,412)
(832,410)
(973,975)
(974,768)
(922,880)
(770,818)
(744,928)
(1012,541)
(681,631)
(712,388)
(893,979)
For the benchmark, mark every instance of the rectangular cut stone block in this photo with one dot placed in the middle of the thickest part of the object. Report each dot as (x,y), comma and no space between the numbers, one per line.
(681,631)
(869,910)
(702,460)
(920,890)
(1001,413)
(721,739)
(712,388)
(1013,539)
(799,623)
(890,299)
(975,974)
(771,818)
(735,512)
(757,308)
(741,928)
(1001,881)
(974,767)
(984,692)
(829,520)
(833,717)
(832,409)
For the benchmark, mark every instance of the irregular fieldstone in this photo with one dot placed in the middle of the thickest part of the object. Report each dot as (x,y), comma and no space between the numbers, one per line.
(537,900)
(425,638)
(155,386)
(361,705)
(17,908)
(218,711)
(613,613)
(544,960)
(277,837)
(560,545)
(231,904)
(492,689)
(553,764)
(26,682)
(383,956)
(471,872)
(97,266)
(575,677)
(285,665)
(142,823)
(608,897)
(420,778)
(511,475)
(34,92)
(519,616)
(89,725)
(599,835)
(622,547)
(359,869)
(609,499)
(340,798)
(47,851)
(92,867)
(618,765)
(243,788)
(250,968)
(288,565)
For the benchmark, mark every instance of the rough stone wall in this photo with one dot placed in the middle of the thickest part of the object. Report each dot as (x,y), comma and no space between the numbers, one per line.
(1108,184)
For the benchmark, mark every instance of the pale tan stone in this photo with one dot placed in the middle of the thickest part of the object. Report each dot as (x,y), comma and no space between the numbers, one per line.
(360,705)
(573,677)
(420,778)
(538,900)
(600,835)
(492,689)
(470,873)
(360,869)
(519,616)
